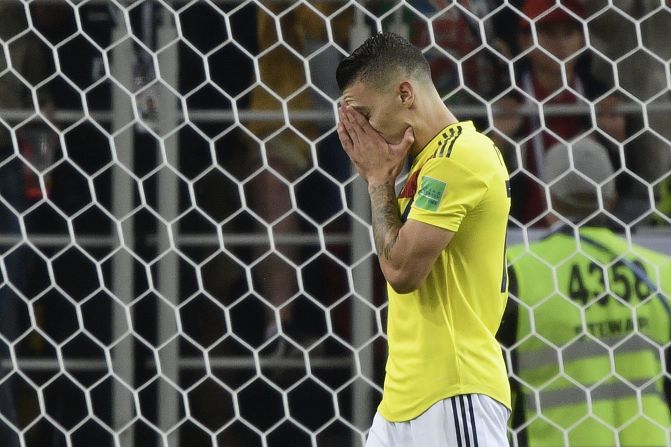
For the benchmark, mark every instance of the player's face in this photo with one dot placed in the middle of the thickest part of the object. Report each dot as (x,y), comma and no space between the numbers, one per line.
(381,107)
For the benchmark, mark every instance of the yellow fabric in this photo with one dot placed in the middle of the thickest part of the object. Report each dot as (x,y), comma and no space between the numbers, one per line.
(282,75)
(297,28)
(441,336)
(664,201)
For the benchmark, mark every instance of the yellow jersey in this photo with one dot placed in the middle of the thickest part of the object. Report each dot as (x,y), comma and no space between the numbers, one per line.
(442,335)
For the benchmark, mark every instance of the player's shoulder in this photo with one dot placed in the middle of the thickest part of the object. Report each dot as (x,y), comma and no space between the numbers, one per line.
(442,145)
(462,144)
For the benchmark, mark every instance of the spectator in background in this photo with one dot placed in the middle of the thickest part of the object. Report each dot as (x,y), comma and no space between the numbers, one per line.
(639,49)
(456,30)
(19,186)
(587,318)
(288,152)
(549,74)
(613,129)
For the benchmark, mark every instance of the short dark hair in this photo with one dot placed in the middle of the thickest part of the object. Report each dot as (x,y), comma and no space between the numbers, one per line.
(380,55)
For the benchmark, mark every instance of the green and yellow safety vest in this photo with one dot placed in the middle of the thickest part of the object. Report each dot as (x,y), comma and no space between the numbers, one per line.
(591,326)
(664,201)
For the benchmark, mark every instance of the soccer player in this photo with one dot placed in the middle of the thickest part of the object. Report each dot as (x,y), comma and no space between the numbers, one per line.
(440,245)
(600,301)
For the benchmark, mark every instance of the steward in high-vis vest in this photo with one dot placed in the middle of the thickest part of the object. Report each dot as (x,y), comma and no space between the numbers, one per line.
(588,321)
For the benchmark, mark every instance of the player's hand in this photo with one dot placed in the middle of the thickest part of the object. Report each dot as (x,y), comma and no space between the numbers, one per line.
(376,161)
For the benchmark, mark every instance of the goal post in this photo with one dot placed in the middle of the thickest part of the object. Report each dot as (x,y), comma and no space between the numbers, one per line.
(186,254)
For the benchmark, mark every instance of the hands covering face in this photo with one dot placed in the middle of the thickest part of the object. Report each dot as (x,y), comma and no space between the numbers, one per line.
(376,161)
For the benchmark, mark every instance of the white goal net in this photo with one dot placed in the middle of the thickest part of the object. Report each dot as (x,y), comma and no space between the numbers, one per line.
(185,252)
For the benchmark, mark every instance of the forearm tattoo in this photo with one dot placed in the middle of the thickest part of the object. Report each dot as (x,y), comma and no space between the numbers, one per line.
(386,218)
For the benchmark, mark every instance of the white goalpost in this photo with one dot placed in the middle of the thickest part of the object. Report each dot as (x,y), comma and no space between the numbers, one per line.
(186,255)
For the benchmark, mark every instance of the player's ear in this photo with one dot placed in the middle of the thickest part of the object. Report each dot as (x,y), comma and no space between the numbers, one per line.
(406,94)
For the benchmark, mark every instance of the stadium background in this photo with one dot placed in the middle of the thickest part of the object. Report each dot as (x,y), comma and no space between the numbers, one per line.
(133,257)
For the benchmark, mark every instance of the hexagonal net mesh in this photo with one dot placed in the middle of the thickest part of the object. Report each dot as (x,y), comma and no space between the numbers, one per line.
(186,253)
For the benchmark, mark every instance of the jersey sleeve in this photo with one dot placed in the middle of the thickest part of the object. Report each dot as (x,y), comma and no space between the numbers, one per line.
(446,193)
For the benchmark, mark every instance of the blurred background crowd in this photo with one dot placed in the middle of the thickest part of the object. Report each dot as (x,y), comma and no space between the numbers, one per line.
(258,210)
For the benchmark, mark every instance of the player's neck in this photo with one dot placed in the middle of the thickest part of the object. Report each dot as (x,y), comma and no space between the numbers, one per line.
(430,121)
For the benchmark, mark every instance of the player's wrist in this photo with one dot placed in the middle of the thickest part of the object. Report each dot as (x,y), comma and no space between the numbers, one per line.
(377,184)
